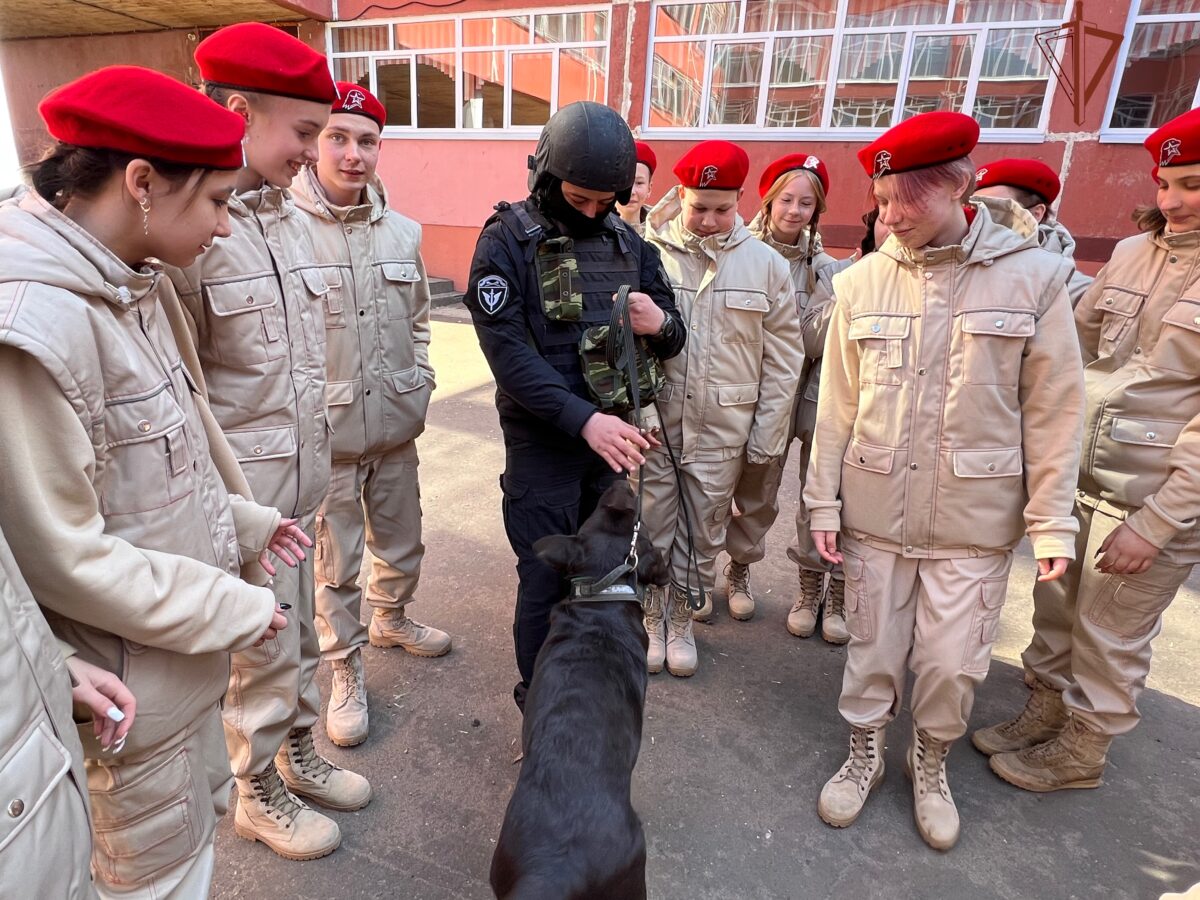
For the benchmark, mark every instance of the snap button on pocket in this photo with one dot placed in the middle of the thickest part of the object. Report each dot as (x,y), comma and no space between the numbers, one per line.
(928,275)
(16,808)
(875,328)
(747,302)
(1108,301)
(1151,435)
(991,467)
(988,262)
(1173,258)
(249,300)
(999,323)
(258,450)
(143,426)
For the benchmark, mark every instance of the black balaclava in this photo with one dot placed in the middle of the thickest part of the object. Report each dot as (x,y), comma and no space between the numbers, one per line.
(550,200)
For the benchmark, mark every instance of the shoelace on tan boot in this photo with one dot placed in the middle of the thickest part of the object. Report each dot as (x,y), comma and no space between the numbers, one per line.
(931,754)
(738,578)
(349,676)
(303,756)
(1075,744)
(810,591)
(681,614)
(864,754)
(1039,708)
(836,598)
(270,790)
(652,606)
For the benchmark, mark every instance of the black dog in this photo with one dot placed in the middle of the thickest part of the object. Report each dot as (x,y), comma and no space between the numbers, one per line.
(570,832)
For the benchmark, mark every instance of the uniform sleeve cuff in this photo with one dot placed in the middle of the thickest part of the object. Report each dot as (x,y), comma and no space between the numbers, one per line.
(574,415)
(824,520)
(1053,545)
(1152,526)
(254,525)
(65,649)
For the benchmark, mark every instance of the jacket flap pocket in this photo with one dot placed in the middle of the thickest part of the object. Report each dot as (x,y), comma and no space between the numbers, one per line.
(339,393)
(130,420)
(263,443)
(1121,301)
(1185,314)
(737,394)
(752,301)
(331,275)
(876,325)
(994,593)
(1148,432)
(998,322)
(235,297)
(315,282)
(28,773)
(1005,461)
(853,568)
(407,380)
(873,459)
(400,271)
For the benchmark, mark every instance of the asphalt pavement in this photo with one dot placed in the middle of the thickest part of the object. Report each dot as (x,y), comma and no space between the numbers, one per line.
(733,758)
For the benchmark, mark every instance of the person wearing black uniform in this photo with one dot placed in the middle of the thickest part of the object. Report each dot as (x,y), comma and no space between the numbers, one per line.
(545,269)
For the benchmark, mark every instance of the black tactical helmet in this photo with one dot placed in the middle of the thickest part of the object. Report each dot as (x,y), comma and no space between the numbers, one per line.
(589,145)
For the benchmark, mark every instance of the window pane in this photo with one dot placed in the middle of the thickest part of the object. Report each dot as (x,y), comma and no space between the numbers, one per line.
(866,88)
(1010,10)
(790,15)
(1167,7)
(1012,83)
(1160,77)
(569,27)
(425,35)
(799,68)
(495,32)
(435,91)
(937,77)
(483,89)
(352,68)
(358,40)
(864,13)
(696,18)
(736,75)
(531,80)
(675,85)
(581,74)
(394,89)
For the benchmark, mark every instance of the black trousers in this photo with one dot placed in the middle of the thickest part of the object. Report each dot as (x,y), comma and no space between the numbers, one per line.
(547,490)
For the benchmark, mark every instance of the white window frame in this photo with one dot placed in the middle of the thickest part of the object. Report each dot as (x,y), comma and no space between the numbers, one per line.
(759,131)
(1111,135)
(507,131)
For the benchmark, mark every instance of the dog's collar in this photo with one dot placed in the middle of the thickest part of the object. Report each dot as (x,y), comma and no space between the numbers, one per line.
(605,588)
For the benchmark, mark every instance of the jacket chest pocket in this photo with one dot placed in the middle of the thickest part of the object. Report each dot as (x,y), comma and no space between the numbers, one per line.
(1178,345)
(315,311)
(742,320)
(1119,310)
(399,280)
(246,325)
(335,296)
(882,340)
(149,463)
(994,345)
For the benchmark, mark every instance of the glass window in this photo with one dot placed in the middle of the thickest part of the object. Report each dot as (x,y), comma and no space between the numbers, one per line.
(581,74)
(352,68)
(1012,83)
(393,84)
(874,13)
(736,75)
(867,80)
(359,40)
(435,90)
(424,35)
(938,73)
(532,81)
(483,89)
(1168,7)
(496,32)
(790,15)
(570,27)
(1162,70)
(696,18)
(1010,10)
(799,68)
(678,73)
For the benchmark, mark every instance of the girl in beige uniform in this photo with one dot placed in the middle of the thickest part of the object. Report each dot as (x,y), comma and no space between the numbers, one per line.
(113,505)
(1138,502)
(948,427)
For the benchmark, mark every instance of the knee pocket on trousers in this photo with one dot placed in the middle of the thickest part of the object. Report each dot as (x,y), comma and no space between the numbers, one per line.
(858,607)
(149,825)
(1129,610)
(985,624)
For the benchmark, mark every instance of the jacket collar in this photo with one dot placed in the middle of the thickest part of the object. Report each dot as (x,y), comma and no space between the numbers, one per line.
(310,197)
(1000,227)
(666,224)
(759,227)
(1187,241)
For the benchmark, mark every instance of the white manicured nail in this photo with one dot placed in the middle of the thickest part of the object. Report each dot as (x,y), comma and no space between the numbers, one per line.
(115,714)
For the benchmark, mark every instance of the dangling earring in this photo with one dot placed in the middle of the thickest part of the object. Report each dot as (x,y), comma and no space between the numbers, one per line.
(144,203)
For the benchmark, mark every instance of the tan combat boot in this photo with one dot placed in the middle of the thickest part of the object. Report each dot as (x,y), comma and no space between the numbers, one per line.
(802,620)
(308,774)
(682,659)
(933,807)
(268,812)
(1042,718)
(833,617)
(704,613)
(845,794)
(741,601)
(655,619)
(1074,758)
(346,717)
(392,628)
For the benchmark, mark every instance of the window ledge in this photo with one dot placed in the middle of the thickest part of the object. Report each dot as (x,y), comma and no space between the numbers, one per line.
(1125,135)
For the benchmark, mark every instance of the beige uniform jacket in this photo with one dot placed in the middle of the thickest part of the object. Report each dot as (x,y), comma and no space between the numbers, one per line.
(262,349)
(951,397)
(45,837)
(1139,327)
(732,388)
(1054,238)
(112,505)
(376,320)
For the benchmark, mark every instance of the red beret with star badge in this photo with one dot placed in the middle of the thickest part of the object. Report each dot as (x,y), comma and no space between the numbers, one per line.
(645,155)
(134,110)
(713,165)
(929,139)
(1178,142)
(790,163)
(360,102)
(257,57)
(1027,174)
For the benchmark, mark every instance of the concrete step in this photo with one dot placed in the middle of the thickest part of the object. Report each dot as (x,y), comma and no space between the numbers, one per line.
(442,292)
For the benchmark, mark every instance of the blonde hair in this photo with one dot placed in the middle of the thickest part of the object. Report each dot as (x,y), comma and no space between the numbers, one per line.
(912,189)
(778,188)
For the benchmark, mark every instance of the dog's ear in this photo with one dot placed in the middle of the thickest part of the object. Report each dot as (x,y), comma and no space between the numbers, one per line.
(560,552)
(652,565)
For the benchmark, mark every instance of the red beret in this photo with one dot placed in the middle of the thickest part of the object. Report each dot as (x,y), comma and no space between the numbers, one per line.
(646,156)
(715,165)
(1178,142)
(134,110)
(790,163)
(360,101)
(1027,174)
(257,57)
(926,140)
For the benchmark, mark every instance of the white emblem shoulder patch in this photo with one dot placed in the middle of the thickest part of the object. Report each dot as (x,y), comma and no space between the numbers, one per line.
(492,293)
